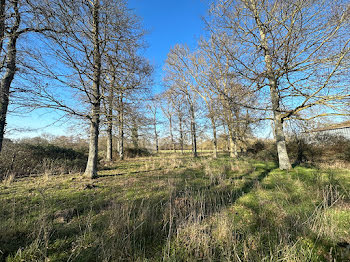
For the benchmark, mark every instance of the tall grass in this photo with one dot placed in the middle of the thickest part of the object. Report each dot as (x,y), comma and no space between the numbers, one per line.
(179,209)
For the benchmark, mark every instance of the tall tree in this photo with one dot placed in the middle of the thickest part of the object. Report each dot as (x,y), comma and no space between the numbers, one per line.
(169,112)
(93,32)
(126,71)
(152,107)
(91,167)
(108,102)
(293,52)
(177,74)
(17,19)
(176,100)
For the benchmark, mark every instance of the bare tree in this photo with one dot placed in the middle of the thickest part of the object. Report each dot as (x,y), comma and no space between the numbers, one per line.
(126,72)
(101,38)
(209,76)
(152,107)
(294,49)
(90,29)
(169,112)
(176,100)
(91,167)
(178,75)
(17,19)
(199,69)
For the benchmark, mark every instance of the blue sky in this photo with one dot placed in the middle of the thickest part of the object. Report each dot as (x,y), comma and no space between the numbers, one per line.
(168,21)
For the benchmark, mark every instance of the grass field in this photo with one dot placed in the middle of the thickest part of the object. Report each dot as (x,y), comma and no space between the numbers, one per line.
(174,208)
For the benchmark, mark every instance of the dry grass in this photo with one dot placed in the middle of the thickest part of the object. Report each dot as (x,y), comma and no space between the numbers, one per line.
(178,209)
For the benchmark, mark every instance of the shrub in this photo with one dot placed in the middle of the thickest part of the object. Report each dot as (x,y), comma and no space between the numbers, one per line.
(320,149)
(263,150)
(256,147)
(136,152)
(22,159)
(301,152)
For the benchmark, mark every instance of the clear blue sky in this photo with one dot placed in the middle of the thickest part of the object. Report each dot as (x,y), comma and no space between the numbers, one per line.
(168,21)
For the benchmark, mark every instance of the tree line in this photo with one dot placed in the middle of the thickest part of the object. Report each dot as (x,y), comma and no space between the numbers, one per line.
(283,61)
(79,57)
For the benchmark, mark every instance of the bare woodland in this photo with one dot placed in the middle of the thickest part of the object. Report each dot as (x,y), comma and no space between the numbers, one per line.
(235,147)
(259,61)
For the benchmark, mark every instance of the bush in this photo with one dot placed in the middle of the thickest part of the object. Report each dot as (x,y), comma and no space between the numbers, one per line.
(263,150)
(346,155)
(22,159)
(136,152)
(256,147)
(300,150)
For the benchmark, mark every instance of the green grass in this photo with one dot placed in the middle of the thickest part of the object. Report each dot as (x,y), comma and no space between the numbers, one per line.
(173,208)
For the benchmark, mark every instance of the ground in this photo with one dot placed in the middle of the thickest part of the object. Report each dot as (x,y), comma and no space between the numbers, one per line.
(176,208)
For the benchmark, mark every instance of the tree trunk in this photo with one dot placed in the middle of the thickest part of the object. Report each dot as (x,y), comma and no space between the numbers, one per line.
(10,66)
(91,167)
(135,135)
(233,144)
(2,23)
(193,132)
(121,128)
(231,134)
(171,133)
(283,159)
(156,136)
(109,155)
(227,137)
(155,129)
(215,142)
(181,135)
(121,133)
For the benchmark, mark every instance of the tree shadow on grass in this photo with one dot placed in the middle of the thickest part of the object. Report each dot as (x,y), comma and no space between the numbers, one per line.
(106,226)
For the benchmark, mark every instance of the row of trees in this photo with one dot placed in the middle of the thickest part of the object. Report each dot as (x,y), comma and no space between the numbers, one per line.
(259,60)
(79,57)
(262,60)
